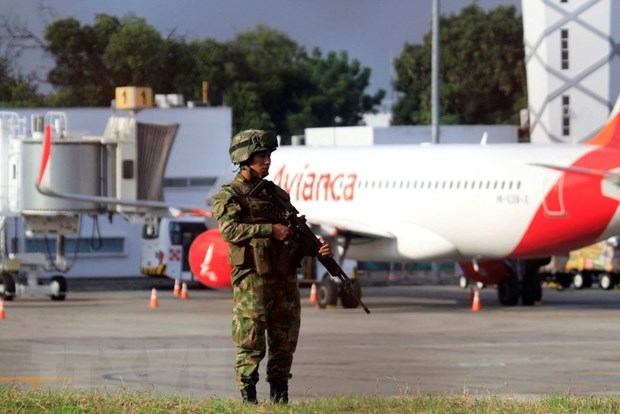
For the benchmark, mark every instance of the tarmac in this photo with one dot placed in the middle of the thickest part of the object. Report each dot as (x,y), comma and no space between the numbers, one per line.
(419,339)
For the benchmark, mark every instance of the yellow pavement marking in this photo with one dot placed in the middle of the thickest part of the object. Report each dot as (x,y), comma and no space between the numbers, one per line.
(35,381)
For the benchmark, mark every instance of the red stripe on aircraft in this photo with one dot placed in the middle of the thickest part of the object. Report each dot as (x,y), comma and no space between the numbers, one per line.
(582,211)
(587,211)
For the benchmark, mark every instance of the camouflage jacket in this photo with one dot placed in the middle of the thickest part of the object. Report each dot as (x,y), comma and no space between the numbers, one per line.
(228,212)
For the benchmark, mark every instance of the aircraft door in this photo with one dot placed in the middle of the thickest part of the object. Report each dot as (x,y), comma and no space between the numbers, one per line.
(553,203)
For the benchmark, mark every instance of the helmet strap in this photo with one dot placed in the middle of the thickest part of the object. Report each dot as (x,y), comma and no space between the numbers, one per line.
(253,174)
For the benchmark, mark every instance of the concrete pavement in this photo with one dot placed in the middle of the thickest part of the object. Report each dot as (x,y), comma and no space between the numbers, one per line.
(418,339)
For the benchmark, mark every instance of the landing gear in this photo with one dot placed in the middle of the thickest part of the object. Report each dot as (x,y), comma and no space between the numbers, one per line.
(508,291)
(463,282)
(327,293)
(330,288)
(523,282)
(7,286)
(531,290)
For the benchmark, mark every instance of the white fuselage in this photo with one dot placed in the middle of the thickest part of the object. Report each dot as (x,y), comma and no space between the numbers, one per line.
(440,202)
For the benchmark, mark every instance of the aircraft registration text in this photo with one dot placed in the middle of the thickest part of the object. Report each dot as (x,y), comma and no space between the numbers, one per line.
(512,198)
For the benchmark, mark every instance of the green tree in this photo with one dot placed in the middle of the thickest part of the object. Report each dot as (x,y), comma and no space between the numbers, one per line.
(482,71)
(179,73)
(17,90)
(91,61)
(335,94)
(135,55)
(262,70)
(267,78)
(272,83)
(213,66)
(80,75)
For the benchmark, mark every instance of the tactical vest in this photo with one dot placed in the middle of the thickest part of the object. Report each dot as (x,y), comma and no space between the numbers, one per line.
(254,210)
(264,254)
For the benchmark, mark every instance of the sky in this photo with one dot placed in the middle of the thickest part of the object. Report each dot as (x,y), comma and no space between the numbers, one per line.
(371,31)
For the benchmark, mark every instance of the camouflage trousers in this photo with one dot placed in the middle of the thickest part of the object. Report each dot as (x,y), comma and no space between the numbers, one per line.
(267,315)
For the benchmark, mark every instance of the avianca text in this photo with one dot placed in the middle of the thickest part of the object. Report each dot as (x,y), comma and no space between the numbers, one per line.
(309,185)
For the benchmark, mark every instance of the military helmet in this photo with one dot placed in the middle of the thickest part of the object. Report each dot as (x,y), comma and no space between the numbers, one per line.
(247,142)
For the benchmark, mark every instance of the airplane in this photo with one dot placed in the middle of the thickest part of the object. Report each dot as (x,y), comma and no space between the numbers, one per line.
(498,210)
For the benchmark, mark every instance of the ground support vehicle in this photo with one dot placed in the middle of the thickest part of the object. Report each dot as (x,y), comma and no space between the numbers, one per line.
(165,246)
(595,264)
(20,272)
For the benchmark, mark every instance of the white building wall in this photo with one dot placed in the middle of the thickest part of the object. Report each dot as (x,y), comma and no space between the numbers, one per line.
(339,136)
(202,140)
(592,79)
(200,151)
(449,134)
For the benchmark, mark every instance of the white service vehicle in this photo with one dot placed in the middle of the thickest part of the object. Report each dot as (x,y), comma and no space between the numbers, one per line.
(165,246)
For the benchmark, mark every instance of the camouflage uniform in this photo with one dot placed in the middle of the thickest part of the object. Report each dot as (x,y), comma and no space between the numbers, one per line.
(264,302)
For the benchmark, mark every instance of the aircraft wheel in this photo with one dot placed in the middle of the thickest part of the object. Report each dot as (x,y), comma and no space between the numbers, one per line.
(508,291)
(59,286)
(7,286)
(606,281)
(347,300)
(531,291)
(463,282)
(327,293)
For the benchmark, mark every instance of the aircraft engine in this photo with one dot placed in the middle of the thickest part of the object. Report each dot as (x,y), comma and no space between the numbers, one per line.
(208,260)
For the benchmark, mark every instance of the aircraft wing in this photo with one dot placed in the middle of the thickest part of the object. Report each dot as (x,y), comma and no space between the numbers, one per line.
(393,239)
(343,225)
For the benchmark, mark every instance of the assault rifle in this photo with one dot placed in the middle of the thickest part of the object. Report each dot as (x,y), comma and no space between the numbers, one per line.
(268,191)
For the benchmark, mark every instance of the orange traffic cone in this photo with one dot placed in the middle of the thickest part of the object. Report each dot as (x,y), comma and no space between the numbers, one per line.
(2,315)
(177,288)
(154,301)
(475,305)
(313,293)
(184,291)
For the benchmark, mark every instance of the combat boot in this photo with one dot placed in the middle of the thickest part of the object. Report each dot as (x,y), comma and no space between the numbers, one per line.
(248,393)
(278,391)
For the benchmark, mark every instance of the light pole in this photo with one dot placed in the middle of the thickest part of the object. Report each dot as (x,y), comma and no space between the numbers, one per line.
(435,269)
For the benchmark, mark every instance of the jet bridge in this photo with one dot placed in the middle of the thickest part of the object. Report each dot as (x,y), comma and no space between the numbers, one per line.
(126,162)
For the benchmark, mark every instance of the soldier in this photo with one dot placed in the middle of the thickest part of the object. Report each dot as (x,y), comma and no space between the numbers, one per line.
(265,289)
